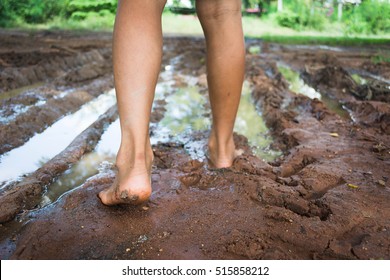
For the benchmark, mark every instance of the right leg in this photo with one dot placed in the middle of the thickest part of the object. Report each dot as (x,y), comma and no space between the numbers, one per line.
(137,51)
(221,23)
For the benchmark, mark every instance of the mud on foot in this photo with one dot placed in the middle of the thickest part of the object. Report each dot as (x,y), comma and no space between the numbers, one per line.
(134,189)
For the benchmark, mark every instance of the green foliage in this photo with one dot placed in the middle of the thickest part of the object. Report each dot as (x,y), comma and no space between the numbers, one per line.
(79,10)
(379,58)
(91,6)
(371,17)
(7,13)
(302,14)
(331,41)
(288,18)
(250,3)
(30,11)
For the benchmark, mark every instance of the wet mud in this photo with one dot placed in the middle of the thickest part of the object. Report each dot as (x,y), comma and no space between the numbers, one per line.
(317,187)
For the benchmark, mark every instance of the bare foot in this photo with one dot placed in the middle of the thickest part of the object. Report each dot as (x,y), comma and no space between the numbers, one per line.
(222,156)
(132,184)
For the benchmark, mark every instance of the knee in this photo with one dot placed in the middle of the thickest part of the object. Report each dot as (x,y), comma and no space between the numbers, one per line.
(217,10)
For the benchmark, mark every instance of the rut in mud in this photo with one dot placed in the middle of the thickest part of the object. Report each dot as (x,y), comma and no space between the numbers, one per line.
(312,183)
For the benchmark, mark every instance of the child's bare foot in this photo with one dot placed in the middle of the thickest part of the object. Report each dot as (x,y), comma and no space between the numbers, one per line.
(132,184)
(222,155)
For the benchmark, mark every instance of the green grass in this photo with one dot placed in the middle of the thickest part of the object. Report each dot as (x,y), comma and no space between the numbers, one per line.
(181,24)
(95,23)
(326,40)
(269,31)
(264,28)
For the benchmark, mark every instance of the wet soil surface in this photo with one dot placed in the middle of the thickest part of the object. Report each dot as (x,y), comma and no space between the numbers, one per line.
(315,187)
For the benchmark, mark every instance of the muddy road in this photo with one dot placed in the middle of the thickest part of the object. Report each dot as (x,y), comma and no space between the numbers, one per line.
(312,183)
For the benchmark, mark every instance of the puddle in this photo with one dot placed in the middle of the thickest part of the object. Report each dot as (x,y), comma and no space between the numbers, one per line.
(39,149)
(17,110)
(296,84)
(251,124)
(16,92)
(313,47)
(13,110)
(87,166)
(185,112)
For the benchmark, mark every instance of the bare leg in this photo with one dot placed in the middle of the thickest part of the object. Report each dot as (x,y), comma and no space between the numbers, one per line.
(137,51)
(221,23)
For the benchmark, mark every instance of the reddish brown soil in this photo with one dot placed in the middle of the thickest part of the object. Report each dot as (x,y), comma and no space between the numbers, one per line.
(325,198)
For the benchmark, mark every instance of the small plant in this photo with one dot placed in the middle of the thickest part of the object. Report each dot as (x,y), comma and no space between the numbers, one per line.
(302,14)
(288,18)
(380,58)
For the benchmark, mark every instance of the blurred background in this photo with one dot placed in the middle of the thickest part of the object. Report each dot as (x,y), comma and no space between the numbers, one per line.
(292,19)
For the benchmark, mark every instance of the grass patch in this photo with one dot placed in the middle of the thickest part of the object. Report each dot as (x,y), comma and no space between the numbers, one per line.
(325,40)
(261,28)
(180,24)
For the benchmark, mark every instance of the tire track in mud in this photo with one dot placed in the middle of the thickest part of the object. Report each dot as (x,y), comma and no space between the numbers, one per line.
(296,207)
(24,195)
(72,72)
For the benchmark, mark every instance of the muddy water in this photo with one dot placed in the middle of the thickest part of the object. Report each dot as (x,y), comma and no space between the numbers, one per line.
(185,113)
(18,109)
(250,123)
(39,149)
(89,165)
(16,92)
(297,85)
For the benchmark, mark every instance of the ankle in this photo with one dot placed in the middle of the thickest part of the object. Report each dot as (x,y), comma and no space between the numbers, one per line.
(136,161)
(221,145)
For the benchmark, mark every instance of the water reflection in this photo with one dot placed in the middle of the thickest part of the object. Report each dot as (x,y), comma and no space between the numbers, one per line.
(44,146)
(185,111)
(16,92)
(297,85)
(250,123)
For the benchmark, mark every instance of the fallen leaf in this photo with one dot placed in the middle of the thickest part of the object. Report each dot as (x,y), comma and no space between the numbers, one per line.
(334,134)
(352,186)
(382,183)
